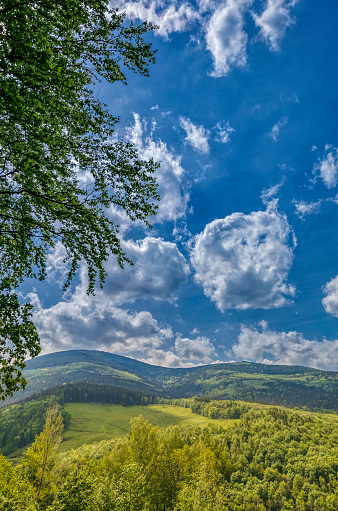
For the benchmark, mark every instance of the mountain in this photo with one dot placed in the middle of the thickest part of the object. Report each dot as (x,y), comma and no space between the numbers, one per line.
(273,384)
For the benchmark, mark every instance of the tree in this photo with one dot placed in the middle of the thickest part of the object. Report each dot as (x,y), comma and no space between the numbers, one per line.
(39,460)
(61,166)
(77,493)
(16,494)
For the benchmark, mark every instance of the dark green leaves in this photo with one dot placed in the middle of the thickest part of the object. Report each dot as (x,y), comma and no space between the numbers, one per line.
(53,130)
(18,340)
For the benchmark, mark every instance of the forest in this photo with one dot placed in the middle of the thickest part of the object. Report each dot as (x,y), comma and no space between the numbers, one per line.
(290,386)
(272,459)
(20,423)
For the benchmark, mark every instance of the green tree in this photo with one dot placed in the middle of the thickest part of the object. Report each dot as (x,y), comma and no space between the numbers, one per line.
(77,493)
(40,459)
(61,166)
(16,494)
(128,492)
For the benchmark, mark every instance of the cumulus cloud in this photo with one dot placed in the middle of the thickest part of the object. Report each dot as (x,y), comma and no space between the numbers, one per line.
(330,301)
(274,21)
(275,132)
(173,16)
(226,38)
(267,346)
(327,167)
(186,353)
(223,132)
(97,321)
(170,175)
(162,358)
(159,269)
(91,322)
(157,272)
(94,322)
(56,264)
(197,136)
(199,350)
(242,261)
(307,208)
(221,22)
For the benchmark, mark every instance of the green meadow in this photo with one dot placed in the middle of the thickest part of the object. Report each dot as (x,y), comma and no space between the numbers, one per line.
(93,422)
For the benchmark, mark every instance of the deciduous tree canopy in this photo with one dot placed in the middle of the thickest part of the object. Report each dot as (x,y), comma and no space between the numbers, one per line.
(61,166)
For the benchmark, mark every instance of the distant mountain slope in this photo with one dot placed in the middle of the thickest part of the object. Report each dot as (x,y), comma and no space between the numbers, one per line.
(283,385)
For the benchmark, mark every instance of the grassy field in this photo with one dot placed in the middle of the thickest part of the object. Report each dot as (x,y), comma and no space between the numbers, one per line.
(94,422)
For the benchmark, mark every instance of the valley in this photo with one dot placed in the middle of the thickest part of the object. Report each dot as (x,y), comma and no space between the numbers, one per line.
(138,436)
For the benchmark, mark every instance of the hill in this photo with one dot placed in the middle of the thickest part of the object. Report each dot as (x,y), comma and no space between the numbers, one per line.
(292,386)
(85,407)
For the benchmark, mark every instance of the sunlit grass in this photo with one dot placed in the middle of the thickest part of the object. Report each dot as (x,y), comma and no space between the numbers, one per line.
(94,422)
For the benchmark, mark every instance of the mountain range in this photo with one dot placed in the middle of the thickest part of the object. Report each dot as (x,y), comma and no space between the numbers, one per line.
(293,386)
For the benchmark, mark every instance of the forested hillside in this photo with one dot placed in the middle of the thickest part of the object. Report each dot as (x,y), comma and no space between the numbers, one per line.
(290,386)
(20,422)
(273,460)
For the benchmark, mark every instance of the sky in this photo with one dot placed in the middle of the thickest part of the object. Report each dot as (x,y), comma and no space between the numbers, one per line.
(241,264)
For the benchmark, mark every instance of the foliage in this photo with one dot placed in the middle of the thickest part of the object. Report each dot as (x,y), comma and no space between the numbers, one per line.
(16,493)
(18,337)
(76,493)
(40,459)
(61,166)
(271,460)
(20,423)
(214,409)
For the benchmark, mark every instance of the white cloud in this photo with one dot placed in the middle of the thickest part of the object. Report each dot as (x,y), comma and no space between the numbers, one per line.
(288,348)
(220,21)
(271,192)
(226,38)
(56,264)
(170,176)
(159,269)
(199,350)
(197,136)
(274,21)
(207,5)
(330,301)
(223,132)
(89,322)
(328,167)
(94,322)
(307,208)
(173,16)
(162,358)
(97,321)
(242,261)
(275,132)
(186,353)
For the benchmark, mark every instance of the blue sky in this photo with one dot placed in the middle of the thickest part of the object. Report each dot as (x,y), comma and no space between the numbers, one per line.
(241,263)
